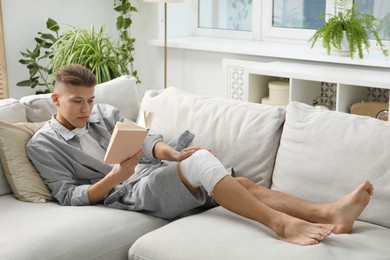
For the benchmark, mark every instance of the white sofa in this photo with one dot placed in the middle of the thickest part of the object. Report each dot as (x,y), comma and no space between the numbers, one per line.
(36,230)
(310,153)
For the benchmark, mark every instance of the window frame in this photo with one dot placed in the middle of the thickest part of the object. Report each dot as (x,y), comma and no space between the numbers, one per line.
(262,29)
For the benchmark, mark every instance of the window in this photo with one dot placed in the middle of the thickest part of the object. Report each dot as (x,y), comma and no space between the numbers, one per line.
(303,14)
(381,10)
(290,20)
(225,14)
(227,18)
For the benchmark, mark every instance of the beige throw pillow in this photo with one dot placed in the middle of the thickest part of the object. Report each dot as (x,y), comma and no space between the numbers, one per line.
(25,181)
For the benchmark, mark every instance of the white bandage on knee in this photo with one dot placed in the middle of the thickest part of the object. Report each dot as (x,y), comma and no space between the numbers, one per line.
(203,169)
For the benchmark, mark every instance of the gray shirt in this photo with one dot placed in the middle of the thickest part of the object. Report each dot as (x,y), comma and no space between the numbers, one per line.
(68,171)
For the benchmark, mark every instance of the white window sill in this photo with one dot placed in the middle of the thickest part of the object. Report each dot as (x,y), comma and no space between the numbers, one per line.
(295,51)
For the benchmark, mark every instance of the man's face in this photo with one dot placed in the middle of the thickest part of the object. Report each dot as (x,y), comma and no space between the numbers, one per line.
(74,105)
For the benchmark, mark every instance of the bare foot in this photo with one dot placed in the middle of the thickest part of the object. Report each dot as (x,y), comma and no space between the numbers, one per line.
(347,209)
(303,233)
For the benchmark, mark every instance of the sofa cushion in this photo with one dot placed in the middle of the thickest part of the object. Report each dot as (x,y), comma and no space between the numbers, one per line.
(50,231)
(325,154)
(121,93)
(38,107)
(11,110)
(25,181)
(4,186)
(243,135)
(220,234)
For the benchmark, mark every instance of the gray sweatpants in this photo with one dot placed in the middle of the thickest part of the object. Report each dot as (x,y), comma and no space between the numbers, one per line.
(159,192)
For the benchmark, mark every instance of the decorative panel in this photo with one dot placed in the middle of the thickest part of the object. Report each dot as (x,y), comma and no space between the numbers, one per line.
(328,94)
(377,94)
(235,80)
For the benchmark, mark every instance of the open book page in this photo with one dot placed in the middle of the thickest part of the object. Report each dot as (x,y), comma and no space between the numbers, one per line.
(126,140)
(145,119)
(148,119)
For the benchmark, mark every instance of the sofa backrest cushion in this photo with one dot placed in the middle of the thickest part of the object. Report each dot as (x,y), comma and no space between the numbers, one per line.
(11,110)
(38,107)
(324,155)
(121,93)
(243,135)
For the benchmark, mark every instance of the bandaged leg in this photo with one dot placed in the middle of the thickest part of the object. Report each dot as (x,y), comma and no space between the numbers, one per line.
(203,169)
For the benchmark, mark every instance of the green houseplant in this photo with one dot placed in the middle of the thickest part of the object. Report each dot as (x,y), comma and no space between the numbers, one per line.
(91,49)
(107,58)
(123,25)
(36,59)
(354,26)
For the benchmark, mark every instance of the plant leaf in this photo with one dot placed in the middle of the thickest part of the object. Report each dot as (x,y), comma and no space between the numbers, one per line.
(25,62)
(24,83)
(52,25)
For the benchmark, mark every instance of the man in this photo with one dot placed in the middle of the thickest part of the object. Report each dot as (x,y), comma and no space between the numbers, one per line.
(68,152)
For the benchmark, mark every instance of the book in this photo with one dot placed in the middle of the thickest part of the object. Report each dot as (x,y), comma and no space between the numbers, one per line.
(127,140)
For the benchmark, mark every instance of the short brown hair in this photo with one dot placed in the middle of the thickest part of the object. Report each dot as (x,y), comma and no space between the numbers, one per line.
(75,75)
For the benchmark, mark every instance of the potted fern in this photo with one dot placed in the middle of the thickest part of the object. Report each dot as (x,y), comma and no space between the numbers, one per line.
(348,28)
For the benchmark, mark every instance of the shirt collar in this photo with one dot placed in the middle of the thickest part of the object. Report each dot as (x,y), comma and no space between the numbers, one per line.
(60,129)
(66,133)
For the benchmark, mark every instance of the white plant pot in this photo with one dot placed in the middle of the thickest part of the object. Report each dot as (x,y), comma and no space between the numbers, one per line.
(344,50)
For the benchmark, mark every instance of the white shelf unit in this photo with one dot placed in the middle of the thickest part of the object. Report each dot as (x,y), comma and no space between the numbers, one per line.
(305,81)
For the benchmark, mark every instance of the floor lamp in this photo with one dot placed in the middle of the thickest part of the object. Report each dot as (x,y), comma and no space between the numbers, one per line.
(165,32)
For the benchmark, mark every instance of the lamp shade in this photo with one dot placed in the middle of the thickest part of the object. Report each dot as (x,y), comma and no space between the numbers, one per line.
(164,1)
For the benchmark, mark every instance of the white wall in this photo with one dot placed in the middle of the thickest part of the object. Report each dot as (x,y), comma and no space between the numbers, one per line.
(198,72)
(22,19)
(149,59)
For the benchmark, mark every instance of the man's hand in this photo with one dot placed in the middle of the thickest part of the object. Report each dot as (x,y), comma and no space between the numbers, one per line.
(187,152)
(118,174)
(122,171)
(163,151)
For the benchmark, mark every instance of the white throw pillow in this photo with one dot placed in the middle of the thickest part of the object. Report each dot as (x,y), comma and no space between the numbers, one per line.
(121,93)
(243,135)
(325,154)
